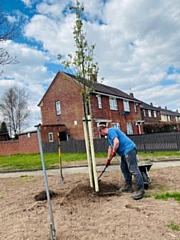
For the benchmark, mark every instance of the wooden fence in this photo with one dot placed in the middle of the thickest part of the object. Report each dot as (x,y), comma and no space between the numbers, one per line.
(145,143)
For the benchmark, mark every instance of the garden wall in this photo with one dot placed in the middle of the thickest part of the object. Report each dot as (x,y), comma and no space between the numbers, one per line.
(27,143)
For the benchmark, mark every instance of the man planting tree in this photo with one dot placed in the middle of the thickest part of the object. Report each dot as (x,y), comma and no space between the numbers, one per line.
(122,145)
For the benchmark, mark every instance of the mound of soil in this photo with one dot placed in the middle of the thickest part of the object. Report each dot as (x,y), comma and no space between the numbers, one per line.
(43,196)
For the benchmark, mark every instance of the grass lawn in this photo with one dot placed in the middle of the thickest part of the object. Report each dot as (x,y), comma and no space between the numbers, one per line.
(33,161)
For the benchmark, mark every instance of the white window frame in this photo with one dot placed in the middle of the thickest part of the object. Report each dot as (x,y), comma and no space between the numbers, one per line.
(129,128)
(155,114)
(126,106)
(113,103)
(50,137)
(149,113)
(115,125)
(177,118)
(99,101)
(135,107)
(58,108)
(144,112)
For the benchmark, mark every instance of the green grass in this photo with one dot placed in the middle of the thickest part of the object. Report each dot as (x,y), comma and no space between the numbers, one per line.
(162,188)
(173,226)
(165,196)
(26,178)
(170,154)
(33,161)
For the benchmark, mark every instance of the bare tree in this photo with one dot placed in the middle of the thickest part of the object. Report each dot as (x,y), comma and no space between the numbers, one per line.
(15,110)
(8,31)
(6,58)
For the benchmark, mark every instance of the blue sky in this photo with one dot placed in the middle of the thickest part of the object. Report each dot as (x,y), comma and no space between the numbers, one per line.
(137,47)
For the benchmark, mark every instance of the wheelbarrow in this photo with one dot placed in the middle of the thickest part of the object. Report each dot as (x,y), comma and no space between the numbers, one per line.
(144,167)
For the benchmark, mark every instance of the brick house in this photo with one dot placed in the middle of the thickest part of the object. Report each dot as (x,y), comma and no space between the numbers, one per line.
(157,119)
(149,113)
(169,116)
(62,109)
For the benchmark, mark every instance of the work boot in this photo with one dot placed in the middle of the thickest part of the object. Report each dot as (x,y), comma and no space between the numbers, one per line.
(126,189)
(139,194)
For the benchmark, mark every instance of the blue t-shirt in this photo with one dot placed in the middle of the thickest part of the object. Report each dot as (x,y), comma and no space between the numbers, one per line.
(125,143)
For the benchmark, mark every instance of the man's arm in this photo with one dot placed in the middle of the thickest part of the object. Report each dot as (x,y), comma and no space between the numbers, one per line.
(115,144)
(109,152)
(109,157)
(112,149)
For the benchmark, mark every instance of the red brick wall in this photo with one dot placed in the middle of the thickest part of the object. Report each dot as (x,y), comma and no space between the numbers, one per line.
(114,115)
(55,129)
(23,145)
(151,119)
(9,147)
(66,91)
(28,143)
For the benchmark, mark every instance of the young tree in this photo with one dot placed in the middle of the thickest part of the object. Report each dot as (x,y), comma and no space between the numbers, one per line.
(8,31)
(82,64)
(15,110)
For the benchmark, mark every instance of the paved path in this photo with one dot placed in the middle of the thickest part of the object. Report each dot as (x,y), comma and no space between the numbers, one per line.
(73,170)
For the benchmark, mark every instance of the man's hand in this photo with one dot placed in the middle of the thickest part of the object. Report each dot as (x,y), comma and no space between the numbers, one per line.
(108,161)
(113,154)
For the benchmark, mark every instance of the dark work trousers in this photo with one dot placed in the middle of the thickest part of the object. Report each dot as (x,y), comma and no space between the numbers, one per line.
(130,167)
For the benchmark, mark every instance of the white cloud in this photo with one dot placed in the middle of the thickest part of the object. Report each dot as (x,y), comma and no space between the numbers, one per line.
(30,73)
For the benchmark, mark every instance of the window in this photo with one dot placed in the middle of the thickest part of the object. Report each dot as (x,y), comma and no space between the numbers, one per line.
(177,119)
(113,103)
(116,125)
(50,136)
(99,101)
(144,112)
(155,115)
(149,113)
(58,108)
(135,107)
(126,106)
(129,128)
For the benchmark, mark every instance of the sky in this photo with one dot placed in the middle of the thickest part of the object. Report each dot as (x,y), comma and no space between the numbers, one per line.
(137,47)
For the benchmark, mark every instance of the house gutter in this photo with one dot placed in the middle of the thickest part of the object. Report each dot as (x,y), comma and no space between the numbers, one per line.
(109,95)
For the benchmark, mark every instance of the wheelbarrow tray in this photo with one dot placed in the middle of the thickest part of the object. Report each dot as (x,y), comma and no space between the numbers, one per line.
(144,168)
(144,165)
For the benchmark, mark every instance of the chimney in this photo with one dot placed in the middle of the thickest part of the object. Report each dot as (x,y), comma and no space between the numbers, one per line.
(151,103)
(165,108)
(177,110)
(131,94)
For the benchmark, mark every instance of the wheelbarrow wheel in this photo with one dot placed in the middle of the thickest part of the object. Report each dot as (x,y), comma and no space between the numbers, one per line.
(145,180)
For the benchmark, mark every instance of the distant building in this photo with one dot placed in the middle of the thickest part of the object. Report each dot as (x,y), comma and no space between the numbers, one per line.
(62,109)
(149,113)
